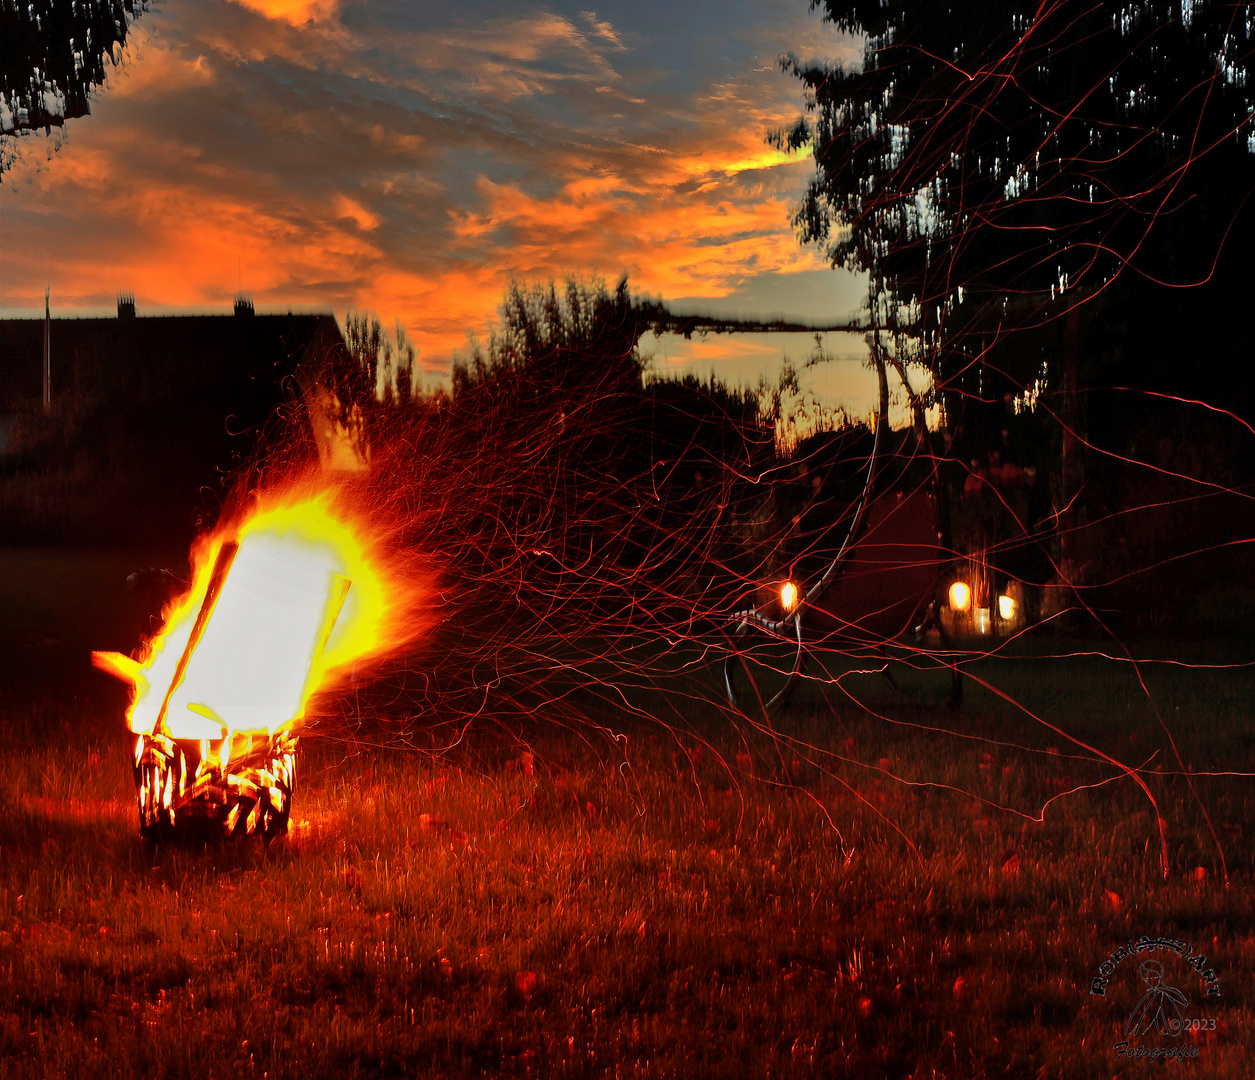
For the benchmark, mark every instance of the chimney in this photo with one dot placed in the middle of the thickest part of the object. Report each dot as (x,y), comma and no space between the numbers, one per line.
(126,305)
(47,353)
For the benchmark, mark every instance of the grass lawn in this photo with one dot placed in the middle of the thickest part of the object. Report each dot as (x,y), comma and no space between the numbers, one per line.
(853,893)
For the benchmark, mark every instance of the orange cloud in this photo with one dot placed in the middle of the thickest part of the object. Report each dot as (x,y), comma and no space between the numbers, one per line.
(296,12)
(403,173)
(355,212)
(162,70)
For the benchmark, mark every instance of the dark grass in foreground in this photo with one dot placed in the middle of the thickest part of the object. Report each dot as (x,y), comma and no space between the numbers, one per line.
(689,910)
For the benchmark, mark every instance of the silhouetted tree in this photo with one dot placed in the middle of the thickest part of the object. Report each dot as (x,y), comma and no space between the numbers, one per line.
(588,336)
(52,56)
(1051,200)
(368,377)
(574,487)
(1006,148)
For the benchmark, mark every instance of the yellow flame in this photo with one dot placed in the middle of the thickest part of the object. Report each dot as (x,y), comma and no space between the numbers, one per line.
(1006,608)
(121,666)
(788,595)
(960,596)
(302,597)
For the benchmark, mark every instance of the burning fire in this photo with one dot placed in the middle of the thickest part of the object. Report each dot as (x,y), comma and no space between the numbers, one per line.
(296,596)
(278,603)
(788,596)
(960,596)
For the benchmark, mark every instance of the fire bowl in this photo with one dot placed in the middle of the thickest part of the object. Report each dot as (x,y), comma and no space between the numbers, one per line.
(252,645)
(191,791)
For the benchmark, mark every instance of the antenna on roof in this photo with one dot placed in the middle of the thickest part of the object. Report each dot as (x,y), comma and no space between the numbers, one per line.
(47,352)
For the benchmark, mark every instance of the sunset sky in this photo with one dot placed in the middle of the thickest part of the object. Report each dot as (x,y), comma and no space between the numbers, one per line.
(407,159)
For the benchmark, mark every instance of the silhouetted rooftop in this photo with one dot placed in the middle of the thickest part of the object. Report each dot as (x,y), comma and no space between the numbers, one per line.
(263,348)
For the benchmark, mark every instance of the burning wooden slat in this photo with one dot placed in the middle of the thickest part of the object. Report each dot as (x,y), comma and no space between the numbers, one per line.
(222,567)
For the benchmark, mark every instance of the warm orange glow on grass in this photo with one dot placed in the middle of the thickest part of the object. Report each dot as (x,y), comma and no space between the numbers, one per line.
(302,598)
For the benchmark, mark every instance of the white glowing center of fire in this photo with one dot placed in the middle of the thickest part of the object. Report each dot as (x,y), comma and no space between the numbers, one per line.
(960,596)
(250,668)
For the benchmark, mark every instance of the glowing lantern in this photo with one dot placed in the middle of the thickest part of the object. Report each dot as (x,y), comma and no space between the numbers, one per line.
(788,596)
(1006,608)
(960,596)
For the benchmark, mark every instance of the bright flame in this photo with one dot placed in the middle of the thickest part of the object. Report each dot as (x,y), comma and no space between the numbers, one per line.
(788,595)
(121,666)
(300,597)
(960,596)
(1006,608)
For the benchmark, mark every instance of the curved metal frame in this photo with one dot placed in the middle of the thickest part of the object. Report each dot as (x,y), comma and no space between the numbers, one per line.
(772,626)
(743,621)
